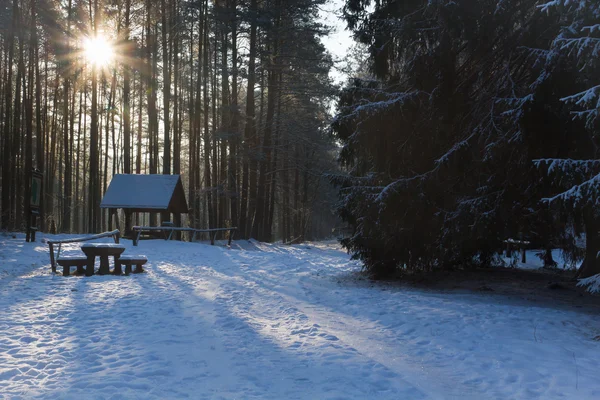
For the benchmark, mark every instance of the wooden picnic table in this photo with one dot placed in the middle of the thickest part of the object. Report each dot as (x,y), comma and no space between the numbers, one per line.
(102,250)
(51,243)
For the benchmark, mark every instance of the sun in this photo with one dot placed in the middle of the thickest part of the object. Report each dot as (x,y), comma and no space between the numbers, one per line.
(98,51)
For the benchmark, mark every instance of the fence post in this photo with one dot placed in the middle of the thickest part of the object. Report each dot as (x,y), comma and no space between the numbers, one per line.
(53,264)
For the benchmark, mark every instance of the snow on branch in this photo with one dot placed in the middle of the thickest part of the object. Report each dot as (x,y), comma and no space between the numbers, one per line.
(591,28)
(586,193)
(579,5)
(371,108)
(398,184)
(581,178)
(554,166)
(456,147)
(580,44)
(589,100)
(516,103)
(592,284)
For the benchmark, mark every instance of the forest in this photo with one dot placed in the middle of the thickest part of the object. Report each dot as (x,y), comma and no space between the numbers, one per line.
(234,95)
(461,125)
(475,123)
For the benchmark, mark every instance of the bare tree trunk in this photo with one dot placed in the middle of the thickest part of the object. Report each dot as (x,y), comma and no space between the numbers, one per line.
(7,165)
(262,218)
(225,137)
(166,97)
(250,124)
(234,141)
(94,187)
(66,217)
(77,198)
(273,173)
(38,115)
(85,193)
(176,116)
(29,124)
(151,53)
(16,202)
(207,178)
(127,109)
(215,125)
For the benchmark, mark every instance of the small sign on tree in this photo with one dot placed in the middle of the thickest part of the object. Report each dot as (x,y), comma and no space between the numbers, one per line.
(36,189)
(34,204)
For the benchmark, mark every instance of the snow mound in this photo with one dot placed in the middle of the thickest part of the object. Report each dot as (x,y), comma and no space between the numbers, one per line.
(592,283)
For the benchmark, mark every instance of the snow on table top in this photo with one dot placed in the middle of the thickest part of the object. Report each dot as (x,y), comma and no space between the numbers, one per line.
(274,322)
(103,245)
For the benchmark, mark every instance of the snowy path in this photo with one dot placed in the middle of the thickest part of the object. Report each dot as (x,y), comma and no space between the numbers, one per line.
(274,322)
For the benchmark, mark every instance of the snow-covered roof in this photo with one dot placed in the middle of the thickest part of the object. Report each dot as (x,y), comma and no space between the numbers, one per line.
(146,193)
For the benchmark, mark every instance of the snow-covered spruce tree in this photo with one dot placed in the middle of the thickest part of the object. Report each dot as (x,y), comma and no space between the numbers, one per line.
(438,148)
(576,175)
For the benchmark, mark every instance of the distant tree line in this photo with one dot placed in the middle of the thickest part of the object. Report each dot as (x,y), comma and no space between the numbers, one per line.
(232,94)
(478,123)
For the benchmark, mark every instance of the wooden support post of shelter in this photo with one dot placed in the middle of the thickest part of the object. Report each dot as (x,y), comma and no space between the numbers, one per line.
(145,193)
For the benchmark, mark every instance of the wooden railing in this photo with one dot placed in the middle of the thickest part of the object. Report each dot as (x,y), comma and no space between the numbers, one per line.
(212,233)
(116,235)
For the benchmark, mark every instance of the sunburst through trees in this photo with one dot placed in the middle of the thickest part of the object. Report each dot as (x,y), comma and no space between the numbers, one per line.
(137,86)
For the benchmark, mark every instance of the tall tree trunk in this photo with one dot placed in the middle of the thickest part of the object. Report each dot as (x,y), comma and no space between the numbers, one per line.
(38,115)
(16,202)
(94,181)
(85,183)
(250,124)
(225,128)
(235,139)
(193,167)
(151,53)
(166,96)
(127,108)
(66,217)
(51,164)
(256,153)
(29,122)
(176,94)
(273,173)
(78,191)
(207,176)
(262,217)
(138,153)
(214,89)
(7,164)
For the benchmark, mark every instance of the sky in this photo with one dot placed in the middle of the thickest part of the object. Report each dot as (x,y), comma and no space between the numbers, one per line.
(340,39)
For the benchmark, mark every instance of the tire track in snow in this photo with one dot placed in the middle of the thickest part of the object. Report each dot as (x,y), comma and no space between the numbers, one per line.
(279,319)
(301,319)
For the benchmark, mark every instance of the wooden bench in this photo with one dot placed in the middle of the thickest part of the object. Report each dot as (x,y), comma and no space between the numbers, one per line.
(72,261)
(128,261)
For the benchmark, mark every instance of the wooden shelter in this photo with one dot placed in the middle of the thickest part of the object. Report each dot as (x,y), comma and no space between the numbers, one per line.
(145,193)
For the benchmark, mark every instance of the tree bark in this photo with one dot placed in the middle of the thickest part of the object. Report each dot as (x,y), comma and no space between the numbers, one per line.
(250,123)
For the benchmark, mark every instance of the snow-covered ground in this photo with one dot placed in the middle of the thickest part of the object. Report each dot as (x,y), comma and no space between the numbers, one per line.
(534,261)
(262,321)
